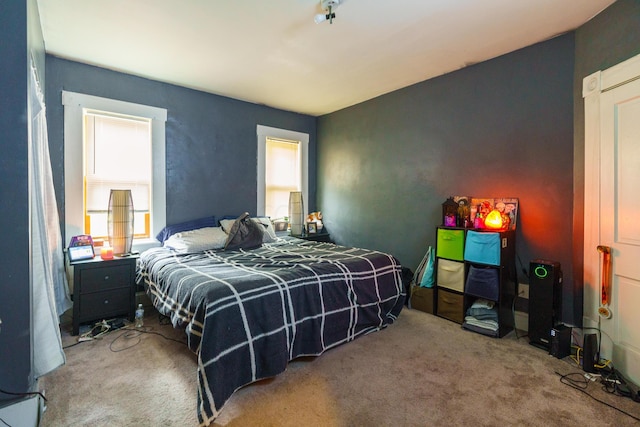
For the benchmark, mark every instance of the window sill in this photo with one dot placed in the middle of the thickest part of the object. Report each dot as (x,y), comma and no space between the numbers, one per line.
(142,245)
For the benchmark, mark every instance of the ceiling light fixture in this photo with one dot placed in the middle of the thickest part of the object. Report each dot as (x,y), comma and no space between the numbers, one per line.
(328,6)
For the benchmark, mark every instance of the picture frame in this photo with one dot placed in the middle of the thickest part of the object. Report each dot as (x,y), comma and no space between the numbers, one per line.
(312,227)
(281,225)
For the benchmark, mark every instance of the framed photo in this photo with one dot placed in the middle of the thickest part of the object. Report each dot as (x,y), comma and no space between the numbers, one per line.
(312,228)
(281,225)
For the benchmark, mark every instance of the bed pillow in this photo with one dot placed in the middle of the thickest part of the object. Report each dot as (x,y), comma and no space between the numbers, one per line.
(165,233)
(227,223)
(268,232)
(197,240)
(244,234)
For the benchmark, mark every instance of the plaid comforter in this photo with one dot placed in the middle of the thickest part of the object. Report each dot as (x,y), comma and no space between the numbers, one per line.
(247,313)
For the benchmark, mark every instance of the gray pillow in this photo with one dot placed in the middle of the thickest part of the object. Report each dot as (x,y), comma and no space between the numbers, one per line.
(244,234)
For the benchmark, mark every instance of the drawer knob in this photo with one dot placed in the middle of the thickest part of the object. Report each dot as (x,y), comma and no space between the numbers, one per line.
(106,301)
(106,277)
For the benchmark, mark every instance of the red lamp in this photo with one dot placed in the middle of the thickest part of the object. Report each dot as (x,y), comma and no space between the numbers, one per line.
(493,220)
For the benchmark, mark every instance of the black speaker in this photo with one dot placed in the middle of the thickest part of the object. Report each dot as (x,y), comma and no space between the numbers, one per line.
(545,301)
(560,346)
(590,353)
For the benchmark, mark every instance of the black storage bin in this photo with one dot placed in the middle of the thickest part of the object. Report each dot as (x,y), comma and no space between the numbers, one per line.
(483,282)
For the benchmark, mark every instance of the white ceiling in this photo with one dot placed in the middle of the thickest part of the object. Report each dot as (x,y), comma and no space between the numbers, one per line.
(273,53)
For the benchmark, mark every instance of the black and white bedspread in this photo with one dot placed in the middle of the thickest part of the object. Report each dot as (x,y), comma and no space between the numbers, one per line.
(247,313)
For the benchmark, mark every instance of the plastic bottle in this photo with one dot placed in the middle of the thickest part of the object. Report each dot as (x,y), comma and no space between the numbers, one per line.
(139,316)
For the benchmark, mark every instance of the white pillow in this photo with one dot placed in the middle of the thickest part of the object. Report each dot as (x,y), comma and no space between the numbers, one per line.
(197,240)
(268,235)
(226,224)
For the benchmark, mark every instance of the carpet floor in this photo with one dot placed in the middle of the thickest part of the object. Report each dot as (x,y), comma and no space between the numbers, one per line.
(421,371)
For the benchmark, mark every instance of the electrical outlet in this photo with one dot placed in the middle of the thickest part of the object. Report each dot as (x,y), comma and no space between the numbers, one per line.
(523,290)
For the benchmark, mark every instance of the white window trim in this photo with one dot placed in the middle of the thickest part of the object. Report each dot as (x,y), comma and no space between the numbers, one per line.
(265,132)
(74,105)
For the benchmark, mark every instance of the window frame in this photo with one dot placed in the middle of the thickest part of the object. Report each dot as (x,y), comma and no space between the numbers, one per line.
(74,106)
(264,132)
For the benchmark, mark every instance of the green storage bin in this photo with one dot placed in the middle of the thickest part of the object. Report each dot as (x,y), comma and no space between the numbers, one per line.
(450,244)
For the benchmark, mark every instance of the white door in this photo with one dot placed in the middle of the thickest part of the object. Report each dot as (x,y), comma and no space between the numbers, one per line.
(612,210)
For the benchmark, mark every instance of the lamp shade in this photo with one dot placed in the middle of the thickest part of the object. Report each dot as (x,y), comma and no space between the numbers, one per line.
(296,213)
(120,221)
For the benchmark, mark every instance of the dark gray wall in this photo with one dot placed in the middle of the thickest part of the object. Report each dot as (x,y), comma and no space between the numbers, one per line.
(21,37)
(397,170)
(210,140)
(501,128)
(606,40)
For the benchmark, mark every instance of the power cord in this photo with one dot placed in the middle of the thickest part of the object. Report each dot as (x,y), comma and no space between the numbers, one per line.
(29,393)
(603,363)
(582,384)
(524,270)
(513,313)
(72,345)
(131,333)
(96,332)
(104,327)
(519,293)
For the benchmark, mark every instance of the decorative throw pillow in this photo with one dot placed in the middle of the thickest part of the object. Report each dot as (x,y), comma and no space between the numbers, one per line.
(244,234)
(201,239)
(269,233)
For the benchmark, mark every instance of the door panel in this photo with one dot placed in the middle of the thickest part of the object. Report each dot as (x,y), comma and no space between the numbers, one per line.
(620,220)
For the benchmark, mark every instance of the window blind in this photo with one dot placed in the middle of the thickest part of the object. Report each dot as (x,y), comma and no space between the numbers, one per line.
(282,175)
(118,156)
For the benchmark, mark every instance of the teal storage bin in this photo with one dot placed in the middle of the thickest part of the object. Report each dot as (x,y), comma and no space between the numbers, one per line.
(450,244)
(482,248)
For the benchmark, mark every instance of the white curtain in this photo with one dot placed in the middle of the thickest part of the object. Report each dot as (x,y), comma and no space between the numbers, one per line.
(48,279)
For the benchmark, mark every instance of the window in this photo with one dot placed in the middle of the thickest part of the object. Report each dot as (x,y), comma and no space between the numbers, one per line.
(282,175)
(282,168)
(99,119)
(117,156)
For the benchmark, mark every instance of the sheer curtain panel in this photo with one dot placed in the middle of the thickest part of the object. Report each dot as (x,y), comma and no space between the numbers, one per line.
(50,291)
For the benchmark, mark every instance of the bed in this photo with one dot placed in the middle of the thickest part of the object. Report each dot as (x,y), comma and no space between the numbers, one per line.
(247,313)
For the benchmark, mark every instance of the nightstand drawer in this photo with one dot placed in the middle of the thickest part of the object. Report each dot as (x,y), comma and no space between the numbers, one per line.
(104,304)
(103,278)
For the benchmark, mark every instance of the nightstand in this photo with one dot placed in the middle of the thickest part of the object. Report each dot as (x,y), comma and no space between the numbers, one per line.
(316,237)
(103,289)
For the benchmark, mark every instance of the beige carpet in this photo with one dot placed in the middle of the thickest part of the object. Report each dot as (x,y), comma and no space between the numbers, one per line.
(420,371)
